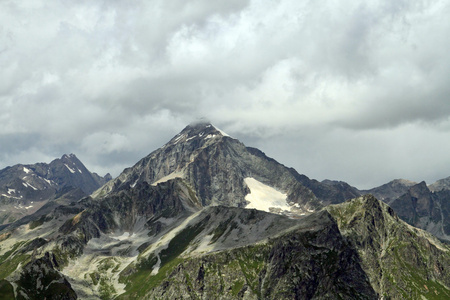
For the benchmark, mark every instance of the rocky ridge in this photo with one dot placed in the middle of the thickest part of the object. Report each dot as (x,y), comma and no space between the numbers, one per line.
(440,185)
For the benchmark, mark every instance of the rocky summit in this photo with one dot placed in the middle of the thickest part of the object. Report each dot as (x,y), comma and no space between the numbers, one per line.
(205,217)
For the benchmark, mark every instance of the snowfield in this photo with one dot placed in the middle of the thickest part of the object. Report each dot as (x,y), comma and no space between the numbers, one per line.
(264,197)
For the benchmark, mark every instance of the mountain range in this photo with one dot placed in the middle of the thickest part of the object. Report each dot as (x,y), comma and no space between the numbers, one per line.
(205,217)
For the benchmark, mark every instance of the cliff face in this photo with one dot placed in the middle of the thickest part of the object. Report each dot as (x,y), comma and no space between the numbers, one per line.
(40,279)
(425,209)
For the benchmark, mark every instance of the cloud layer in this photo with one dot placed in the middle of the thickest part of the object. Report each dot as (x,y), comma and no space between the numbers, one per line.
(342,90)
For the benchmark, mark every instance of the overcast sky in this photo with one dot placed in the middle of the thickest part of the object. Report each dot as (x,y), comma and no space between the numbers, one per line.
(347,90)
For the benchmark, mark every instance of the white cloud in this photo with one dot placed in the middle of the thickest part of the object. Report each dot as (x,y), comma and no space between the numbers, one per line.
(115,80)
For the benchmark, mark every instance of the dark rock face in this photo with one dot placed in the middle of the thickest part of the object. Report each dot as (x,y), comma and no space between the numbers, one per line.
(417,202)
(40,279)
(424,209)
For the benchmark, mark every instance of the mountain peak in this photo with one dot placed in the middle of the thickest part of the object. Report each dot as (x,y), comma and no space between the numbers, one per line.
(200,131)
(419,190)
(71,157)
(204,126)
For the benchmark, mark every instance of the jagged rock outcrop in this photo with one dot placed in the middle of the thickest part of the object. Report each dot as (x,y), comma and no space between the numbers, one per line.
(424,209)
(40,279)
(402,262)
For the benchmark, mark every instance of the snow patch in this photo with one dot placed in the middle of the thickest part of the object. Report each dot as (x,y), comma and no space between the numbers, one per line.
(222,132)
(210,136)
(191,138)
(12,197)
(10,191)
(48,181)
(26,170)
(26,184)
(264,197)
(20,206)
(177,139)
(134,184)
(71,170)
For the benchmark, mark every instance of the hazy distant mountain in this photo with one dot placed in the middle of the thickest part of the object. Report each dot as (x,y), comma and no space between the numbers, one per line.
(391,190)
(26,188)
(422,208)
(205,217)
(425,207)
(440,185)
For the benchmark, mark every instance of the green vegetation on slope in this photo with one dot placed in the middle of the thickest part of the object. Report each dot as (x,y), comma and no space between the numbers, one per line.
(141,277)
(11,259)
(6,290)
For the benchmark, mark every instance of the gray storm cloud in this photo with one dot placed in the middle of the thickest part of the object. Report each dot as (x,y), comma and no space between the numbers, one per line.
(341,90)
